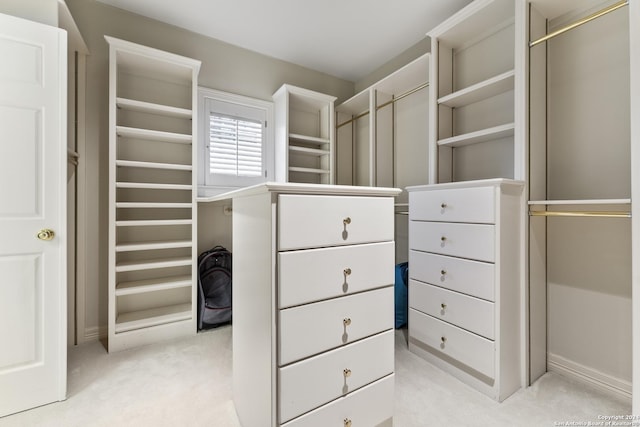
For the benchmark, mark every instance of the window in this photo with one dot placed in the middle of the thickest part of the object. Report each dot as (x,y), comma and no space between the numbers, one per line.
(236,141)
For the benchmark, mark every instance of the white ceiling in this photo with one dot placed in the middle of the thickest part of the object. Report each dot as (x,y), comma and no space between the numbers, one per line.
(345,38)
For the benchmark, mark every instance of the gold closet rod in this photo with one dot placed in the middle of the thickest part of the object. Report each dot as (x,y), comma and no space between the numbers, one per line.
(584,20)
(604,214)
(398,98)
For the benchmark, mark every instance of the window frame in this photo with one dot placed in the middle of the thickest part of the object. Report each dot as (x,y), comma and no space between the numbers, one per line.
(210,184)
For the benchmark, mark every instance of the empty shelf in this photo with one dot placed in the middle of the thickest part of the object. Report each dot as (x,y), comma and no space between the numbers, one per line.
(483,135)
(151,165)
(152,222)
(154,135)
(152,264)
(483,90)
(308,170)
(151,285)
(149,246)
(306,138)
(148,107)
(152,317)
(308,151)
(153,186)
(152,205)
(581,202)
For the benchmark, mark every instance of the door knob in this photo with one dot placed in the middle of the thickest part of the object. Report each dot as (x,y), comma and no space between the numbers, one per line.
(46,234)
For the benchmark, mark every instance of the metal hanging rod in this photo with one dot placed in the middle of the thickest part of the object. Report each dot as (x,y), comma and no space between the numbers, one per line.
(584,20)
(397,98)
(401,213)
(603,214)
(359,116)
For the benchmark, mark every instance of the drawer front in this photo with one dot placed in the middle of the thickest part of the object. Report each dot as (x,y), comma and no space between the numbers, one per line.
(467,312)
(461,275)
(470,349)
(311,383)
(320,221)
(313,328)
(473,241)
(455,205)
(368,406)
(317,274)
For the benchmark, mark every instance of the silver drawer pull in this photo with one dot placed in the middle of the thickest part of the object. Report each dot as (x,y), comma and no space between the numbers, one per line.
(347,422)
(443,306)
(443,272)
(443,239)
(347,271)
(347,220)
(443,205)
(346,321)
(347,373)
(443,340)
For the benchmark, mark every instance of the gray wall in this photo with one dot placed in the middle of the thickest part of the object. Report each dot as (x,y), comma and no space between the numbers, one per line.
(43,11)
(224,67)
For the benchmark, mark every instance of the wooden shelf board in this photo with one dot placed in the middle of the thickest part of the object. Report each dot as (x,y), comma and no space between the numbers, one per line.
(149,246)
(308,170)
(148,107)
(308,151)
(306,138)
(150,205)
(480,136)
(152,285)
(154,135)
(152,264)
(479,91)
(152,317)
(151,165)
(153,186)
(153,222)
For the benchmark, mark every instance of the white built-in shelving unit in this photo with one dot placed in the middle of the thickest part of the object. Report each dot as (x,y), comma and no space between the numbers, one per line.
(304,136)
(152,190)
(473,116)
(381,132)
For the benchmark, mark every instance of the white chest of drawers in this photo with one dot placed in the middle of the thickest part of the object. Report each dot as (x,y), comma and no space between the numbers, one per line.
(313,341)
(466,281)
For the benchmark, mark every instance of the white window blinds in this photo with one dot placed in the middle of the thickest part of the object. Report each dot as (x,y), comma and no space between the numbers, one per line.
(235,146)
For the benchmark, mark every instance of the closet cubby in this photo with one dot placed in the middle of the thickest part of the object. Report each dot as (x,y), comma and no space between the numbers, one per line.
(304,136)
(472,103)
(152,190)
(382,133)
(580,189)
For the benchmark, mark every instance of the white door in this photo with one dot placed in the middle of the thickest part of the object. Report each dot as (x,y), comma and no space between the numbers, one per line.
(33,355)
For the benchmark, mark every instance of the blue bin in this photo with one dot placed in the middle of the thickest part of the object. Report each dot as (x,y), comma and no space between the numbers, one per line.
(401,294)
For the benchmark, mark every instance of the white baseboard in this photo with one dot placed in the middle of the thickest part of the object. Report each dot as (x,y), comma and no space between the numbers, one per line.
(95,333)
(605,382)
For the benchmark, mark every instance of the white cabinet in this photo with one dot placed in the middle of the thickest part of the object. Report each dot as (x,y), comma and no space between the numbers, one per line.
(476,128)
(465,281)
(313,340)
(304,136)
(152,190)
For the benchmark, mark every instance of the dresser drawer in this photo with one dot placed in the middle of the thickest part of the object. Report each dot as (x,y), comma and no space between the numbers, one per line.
(368,406)
(470,349)
(467,312)
(313,382)
(473,241)
(453,205)
(316,274)
(313,328)
(461,275)
(320,221)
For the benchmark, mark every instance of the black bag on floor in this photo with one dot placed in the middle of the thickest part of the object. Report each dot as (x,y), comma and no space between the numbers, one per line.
(214,288)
